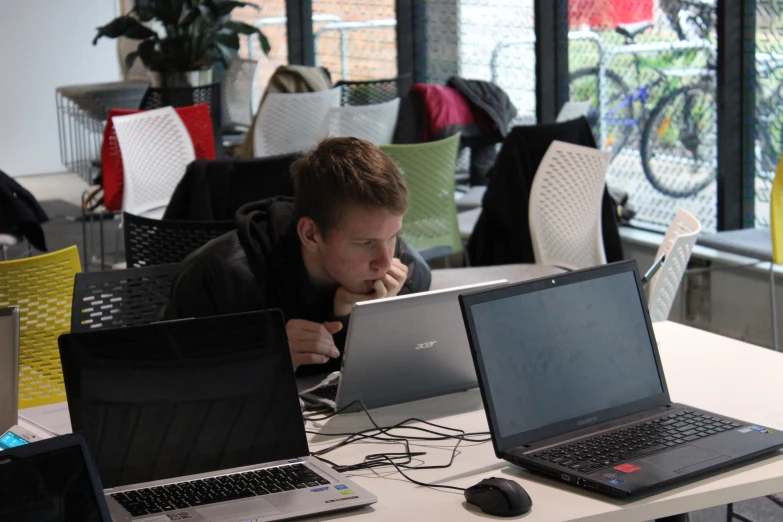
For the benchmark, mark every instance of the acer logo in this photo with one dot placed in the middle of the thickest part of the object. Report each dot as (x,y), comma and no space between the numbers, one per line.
(588,420)
(5,461)
(422,346)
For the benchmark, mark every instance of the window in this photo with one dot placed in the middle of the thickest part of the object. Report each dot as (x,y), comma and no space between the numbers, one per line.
(497,43)
(270,18)
(356,40)
(656,110)
(769,103)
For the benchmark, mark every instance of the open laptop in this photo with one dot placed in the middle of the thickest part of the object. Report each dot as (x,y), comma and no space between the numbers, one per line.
(573,387)
(198,420)
(402,349)
(53,480)
(9,367)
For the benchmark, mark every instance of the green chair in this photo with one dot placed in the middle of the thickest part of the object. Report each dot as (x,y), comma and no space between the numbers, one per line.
(430,225)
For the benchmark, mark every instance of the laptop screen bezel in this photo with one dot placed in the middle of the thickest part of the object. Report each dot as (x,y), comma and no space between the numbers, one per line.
(504,444)
(62,442)
(9,375)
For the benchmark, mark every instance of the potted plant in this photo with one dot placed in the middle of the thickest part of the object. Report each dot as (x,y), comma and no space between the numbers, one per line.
(182,40)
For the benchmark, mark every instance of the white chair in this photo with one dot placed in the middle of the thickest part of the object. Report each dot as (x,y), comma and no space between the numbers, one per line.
(237,93)
(677,245)
(565,206)
(374,123)
(156,149)
(291,122)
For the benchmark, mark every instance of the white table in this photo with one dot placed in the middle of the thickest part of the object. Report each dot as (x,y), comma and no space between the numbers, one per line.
(704,370)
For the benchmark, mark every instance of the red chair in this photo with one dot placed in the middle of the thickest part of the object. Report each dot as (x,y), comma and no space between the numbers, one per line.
(196,119)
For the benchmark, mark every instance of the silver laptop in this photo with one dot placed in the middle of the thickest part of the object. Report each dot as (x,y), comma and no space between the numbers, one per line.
(9,367)
(402,349)
(198,420)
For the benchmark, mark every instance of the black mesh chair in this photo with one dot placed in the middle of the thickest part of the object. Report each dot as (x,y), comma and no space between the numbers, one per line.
(115,298)
(155,98)
(372,92)
(151,242)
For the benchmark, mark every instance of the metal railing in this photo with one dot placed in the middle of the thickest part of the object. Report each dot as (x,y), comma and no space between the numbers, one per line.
(343,28)
(531,40)
(282,20)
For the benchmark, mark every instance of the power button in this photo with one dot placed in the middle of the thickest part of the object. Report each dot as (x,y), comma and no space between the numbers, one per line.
(565,477)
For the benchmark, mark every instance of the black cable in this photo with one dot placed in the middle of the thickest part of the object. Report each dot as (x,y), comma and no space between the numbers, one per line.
(382,434)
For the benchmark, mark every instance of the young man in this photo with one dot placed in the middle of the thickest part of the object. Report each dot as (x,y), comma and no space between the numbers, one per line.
(334,244)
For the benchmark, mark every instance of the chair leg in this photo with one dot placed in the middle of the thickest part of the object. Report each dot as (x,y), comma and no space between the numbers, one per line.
(775,345)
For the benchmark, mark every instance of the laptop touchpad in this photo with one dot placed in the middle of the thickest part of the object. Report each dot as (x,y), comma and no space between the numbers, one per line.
(684,457)
(256,507)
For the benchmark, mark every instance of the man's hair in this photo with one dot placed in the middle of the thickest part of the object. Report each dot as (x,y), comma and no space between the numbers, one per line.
(341,172)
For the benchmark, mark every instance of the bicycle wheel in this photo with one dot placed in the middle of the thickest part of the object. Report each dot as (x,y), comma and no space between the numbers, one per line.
(583,86)
(679,142)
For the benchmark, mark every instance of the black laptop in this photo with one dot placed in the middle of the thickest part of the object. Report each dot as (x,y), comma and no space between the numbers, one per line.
(198,420)
(53,480)
(573,387)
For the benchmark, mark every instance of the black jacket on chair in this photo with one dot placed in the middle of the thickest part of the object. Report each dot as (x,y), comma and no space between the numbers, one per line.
(502,232)
(214,190)
(20,213)
(259,266)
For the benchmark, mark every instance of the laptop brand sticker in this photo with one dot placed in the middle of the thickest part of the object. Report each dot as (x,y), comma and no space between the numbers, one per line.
(627,468)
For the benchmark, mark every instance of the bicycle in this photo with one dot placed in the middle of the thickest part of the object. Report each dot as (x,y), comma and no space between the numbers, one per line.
(679,129)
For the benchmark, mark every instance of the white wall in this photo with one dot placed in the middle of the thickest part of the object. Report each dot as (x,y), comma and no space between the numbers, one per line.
(46,44)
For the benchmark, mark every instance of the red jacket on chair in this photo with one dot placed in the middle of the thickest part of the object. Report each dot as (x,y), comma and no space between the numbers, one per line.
(196,119)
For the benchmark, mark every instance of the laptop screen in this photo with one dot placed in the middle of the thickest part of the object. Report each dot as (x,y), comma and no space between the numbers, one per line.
(183,397)
(54,485)
(566,352)
(9,366)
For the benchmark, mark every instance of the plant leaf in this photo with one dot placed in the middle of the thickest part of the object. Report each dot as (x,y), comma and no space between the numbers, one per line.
(146,52)
(228,39)
(124,26)
(129,59)
(249,30)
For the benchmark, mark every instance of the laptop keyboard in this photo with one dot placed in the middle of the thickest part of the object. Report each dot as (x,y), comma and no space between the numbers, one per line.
(615,447)
(326,392)
(218,489)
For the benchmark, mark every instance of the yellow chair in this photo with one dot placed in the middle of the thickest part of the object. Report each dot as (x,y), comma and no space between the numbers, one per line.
(42,288)
(776,215)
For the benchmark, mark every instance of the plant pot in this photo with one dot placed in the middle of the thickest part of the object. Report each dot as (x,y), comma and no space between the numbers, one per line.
(175,79)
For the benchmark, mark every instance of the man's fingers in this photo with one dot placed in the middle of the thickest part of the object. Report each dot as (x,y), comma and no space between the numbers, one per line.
(333,326)
(301,324)
(309,358)
(380,287)
(399,274)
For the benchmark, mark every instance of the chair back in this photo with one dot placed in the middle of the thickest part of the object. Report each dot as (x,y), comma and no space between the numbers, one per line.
(159,242)
(776,215)
(677,245)
(237,93)
(565,206)
(372,92)
(156,149)
(374,123)
(196,119)
(42,288)
(155,98)
(428,168)
(291,122)
(116,298)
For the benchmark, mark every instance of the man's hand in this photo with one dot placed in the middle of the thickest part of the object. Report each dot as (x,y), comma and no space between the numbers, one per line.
(311,343)
(389,286)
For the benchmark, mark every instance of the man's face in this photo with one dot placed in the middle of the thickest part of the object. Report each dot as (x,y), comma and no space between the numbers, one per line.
(359,249)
